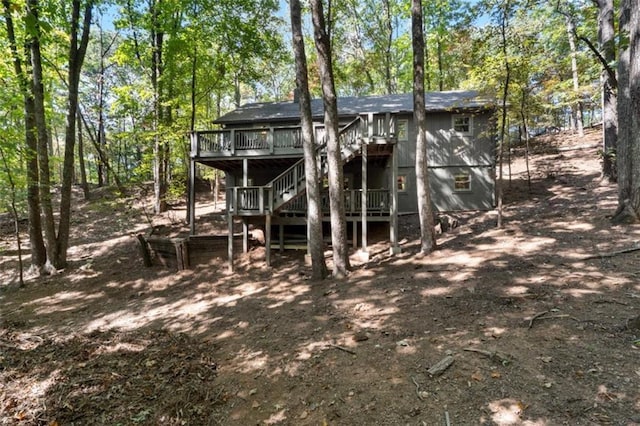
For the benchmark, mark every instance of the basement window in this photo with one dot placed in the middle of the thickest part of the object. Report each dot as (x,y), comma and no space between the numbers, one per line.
(462,182)
(462,124)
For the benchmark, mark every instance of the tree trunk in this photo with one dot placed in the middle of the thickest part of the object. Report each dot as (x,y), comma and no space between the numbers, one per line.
(628,155)
(440,64)
(159,146)
(388,61)
(525,131)
(623,155)
(14,213)
(38,250)
(503,129)
(334,159)
(425,213)
(77,52)
(312,177)
(606,38)
(577,108)
(83,168)
(37,88)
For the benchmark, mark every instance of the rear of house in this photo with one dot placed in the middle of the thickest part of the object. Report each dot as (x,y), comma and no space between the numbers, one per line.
(259,148)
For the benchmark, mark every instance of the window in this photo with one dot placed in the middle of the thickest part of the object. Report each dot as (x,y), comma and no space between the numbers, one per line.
(402,183)
(402,131)
(462,124)
(462,182)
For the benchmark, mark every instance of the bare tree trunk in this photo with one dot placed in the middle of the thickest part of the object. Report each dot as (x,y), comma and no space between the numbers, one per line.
(388,62)
(159,147)
(629,118)
(312,176)
(102,156)
(606,38)
(440,64)
(192,126)
(503,31)
(577,108)
(425,212)
(83,169)
(623,157)
(334,160)
(37,88)
(77,52)
(14,213)
(525,131)
(38,250)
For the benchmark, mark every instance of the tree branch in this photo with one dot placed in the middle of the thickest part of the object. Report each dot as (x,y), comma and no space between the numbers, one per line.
(610,72)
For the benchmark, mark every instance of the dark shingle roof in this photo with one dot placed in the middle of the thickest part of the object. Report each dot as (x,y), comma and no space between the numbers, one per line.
(351,106)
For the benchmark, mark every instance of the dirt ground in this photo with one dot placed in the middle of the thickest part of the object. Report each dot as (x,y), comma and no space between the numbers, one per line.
(533,318)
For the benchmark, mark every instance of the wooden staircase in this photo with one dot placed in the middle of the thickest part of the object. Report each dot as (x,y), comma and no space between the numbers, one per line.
(290,184)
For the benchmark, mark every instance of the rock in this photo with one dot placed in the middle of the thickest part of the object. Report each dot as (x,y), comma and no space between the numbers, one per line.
(360,336)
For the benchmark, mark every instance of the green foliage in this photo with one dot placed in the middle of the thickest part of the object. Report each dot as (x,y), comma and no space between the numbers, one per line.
(238,51)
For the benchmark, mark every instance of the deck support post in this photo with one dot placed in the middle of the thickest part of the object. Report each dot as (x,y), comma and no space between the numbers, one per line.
(267,239)
(230,242)
(364,197)
(245,235)
(280,237)
(245,172)
(354,226)
(245,222)
(393,218)
(192,197)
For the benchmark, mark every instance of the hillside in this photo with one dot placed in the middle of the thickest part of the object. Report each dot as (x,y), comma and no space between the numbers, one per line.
(533,316)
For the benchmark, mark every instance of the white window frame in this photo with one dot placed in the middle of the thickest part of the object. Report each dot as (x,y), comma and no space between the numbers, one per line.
(462,175)
(454,117)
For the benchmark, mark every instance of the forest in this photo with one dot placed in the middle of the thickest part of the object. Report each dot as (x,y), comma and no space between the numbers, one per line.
(104,93)
(526,315)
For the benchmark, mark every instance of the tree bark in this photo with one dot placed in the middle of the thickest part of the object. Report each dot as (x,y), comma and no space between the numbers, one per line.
(38,250)
(628,154)
(160,184)
(606,39)
(577,108)
(312,177)
(37,88)
(77,51)
(634,95)
(83,169)
(334,160)
(425,213)
(503,129)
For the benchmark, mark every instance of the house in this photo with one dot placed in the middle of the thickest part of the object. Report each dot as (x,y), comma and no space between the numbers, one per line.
(259,148)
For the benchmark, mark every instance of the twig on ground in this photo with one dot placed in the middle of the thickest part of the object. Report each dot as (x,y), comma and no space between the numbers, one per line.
(613,253)
(349,351)
(536,316)
(446,419)
(503,358)
(417,388)
(610,301)
(542,316)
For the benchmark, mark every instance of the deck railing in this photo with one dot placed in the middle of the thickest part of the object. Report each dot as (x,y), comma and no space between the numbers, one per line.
(378,202)
(243,142)
(282,139)
(285,191)
(249,199)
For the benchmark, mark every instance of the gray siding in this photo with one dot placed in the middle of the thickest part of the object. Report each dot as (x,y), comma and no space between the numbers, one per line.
(481,196)
(451,153)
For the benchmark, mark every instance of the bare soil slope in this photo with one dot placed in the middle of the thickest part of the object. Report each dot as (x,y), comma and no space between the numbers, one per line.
(533,317)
